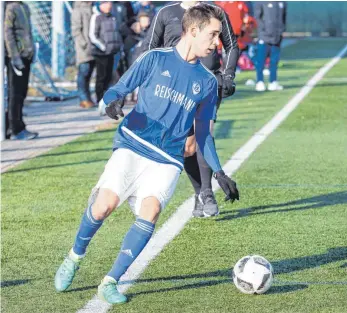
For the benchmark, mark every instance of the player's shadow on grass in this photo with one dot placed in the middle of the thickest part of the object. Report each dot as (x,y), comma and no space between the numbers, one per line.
(315,202)
(11,283)
(280,267)
(311,261)
(183,282)
(209,283)
(60,154)
(321,84)
(13,171)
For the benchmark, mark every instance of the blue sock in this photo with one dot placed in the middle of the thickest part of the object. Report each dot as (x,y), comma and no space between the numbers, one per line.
(134,242)
(88,228)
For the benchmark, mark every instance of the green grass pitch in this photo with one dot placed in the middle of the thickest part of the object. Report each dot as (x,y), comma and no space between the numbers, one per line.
(293,211)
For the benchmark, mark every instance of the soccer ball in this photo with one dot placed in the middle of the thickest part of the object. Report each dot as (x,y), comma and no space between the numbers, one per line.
(253,274)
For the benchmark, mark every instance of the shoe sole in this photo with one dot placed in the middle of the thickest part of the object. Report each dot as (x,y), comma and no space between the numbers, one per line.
(28,138)
(198,216)
(208,215)
(101,297)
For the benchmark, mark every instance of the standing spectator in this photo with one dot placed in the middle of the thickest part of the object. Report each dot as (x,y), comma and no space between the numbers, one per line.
(144,6)
(106,42)
(133,34)
(20,50)
(119,11)
(80,19)
(237,11)
(271,19)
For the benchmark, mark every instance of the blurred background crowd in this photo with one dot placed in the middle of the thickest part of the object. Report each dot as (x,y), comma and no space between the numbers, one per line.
(98,41)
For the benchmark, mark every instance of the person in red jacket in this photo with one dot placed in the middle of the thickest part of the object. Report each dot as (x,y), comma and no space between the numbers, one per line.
(237,11)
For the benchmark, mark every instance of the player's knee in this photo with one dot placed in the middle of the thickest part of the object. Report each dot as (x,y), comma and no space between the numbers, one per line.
(190,148)
(150,209)
(104,204)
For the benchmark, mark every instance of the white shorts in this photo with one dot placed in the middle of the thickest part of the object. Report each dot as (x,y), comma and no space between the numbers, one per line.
(133,177)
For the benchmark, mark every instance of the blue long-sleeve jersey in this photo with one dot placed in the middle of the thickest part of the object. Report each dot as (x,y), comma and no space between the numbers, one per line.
(172,93)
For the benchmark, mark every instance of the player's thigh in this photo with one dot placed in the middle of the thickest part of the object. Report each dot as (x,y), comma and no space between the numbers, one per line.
(117,181)
(158,181)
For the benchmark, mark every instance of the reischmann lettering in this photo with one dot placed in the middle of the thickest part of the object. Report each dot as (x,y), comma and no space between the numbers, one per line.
(165,92)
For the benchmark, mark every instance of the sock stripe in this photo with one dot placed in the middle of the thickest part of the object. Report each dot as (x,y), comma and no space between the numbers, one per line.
(144,225)
(90,216)
(140,220)
(148,230)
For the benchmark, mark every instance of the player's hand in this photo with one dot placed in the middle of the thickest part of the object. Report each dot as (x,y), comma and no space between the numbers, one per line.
(227,185)
(229,86)
(114,109)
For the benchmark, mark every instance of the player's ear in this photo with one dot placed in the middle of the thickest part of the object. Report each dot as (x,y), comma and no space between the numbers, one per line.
(194,31)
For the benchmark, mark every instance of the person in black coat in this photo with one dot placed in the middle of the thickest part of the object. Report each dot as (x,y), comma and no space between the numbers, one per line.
(106,42)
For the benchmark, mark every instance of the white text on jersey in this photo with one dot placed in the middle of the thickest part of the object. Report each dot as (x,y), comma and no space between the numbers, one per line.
(174,96)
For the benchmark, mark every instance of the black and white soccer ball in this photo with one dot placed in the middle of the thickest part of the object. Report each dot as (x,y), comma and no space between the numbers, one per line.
(253,274)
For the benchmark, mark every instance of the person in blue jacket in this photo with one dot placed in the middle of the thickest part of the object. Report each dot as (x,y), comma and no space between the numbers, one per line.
(175,90)
(271,20)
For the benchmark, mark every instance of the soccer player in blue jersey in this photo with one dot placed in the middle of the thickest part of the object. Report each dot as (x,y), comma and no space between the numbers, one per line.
(175,90)
(165,31)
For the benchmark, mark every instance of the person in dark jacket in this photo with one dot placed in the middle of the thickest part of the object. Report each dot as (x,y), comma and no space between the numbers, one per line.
(106,42)
(133,33)
(80,19)
(271,20)
(165,31)
(20,50)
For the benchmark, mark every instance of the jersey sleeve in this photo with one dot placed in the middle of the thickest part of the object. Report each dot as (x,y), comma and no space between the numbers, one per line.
(133,77)
(155,35)
(206,144)
(230,45)
(207,109)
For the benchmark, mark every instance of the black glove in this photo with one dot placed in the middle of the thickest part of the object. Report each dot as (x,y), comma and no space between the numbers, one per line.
(227,185)
(114,109)
(228,86)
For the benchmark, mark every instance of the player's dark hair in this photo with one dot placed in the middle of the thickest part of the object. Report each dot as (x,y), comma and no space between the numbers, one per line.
(201,15)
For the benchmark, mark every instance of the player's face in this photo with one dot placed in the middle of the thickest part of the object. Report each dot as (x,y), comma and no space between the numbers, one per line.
(207,39)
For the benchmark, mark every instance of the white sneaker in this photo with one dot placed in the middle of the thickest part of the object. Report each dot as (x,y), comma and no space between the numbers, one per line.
(102,107)
(260,86)
(250,82)
(274,86)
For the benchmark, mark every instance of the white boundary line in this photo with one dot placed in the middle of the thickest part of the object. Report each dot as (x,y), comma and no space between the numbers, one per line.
(178,220)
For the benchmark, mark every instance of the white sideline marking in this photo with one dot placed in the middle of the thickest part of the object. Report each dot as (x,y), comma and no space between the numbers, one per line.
(177,221)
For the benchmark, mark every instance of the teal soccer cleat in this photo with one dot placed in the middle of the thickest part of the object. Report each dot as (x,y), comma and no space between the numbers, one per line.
(108,292)
(65,274)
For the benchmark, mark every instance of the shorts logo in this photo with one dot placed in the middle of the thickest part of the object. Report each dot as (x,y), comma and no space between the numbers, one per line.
(196,88)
